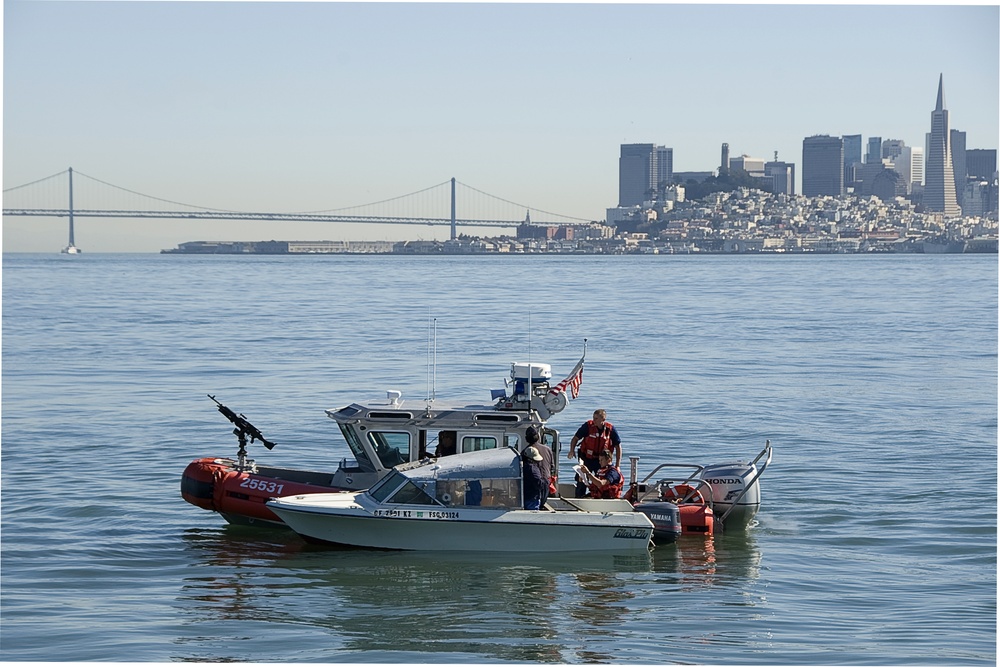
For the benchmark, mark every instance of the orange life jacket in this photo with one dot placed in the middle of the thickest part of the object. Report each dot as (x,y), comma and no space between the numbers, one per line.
(608,490)
(597,440)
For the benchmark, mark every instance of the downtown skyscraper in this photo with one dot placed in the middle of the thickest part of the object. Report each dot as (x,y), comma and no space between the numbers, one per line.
(822,166)
(939,174)
(641,170)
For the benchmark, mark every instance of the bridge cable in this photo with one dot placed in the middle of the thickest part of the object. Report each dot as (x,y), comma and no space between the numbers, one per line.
(16,187)
(530,208)
(374,203)
(168,201)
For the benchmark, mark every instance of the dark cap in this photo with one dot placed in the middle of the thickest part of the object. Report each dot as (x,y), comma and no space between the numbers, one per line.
(531,434)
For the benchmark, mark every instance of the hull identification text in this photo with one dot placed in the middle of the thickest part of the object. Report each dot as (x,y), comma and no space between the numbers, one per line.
(632,533)
(415,514)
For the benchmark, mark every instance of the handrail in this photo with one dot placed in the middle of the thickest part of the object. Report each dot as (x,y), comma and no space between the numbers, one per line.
(655,470)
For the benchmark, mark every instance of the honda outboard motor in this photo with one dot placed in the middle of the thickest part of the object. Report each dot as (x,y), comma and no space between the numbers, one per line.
(734,503)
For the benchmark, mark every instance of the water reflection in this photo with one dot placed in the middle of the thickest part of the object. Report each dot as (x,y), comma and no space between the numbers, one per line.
(401,607)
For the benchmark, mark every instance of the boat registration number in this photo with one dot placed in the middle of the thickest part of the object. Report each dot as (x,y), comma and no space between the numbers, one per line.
(417,514)
(261,485)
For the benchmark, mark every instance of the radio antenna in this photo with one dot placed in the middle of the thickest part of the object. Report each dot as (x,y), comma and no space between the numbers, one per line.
(431,360)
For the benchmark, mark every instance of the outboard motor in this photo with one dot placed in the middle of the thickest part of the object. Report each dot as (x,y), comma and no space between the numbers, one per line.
(735,491)
(666,520)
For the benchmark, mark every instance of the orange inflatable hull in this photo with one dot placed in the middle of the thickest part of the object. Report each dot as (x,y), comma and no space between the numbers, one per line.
(240,497)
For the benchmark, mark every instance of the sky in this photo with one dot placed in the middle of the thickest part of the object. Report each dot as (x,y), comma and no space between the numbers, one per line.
(261,106)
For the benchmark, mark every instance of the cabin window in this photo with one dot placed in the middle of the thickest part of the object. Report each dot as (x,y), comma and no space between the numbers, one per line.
(354,442)
(502,493)
(411,494)
(479,493)
(391,447)
(475,443)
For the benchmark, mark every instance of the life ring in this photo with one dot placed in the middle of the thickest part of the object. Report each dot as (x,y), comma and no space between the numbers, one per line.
(678,492)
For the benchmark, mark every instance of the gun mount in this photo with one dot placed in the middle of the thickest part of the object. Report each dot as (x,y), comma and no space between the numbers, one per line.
(244,429)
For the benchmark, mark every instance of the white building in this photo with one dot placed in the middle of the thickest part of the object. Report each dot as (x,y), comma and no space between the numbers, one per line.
(751,165)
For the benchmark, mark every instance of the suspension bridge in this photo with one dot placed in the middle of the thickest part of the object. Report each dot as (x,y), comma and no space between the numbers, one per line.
(73,194)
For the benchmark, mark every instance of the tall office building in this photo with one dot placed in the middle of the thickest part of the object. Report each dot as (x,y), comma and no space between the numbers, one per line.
(751,165)
(958,165)
(981,162)
(916,168)
(874,154)
(892,149)
(910,165)
(822,166)
(664,165)
(852,158)
(641,169)
(939,175)
(781,175)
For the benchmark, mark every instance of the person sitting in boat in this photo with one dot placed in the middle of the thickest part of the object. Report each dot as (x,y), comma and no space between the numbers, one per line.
(536,485)
(595,436)
(607,481)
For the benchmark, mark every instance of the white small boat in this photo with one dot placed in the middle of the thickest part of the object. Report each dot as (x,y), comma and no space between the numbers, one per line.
(71,250)
(465,502)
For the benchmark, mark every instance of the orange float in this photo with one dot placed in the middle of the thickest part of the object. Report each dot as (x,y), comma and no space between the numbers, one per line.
(240,496)
(697,517)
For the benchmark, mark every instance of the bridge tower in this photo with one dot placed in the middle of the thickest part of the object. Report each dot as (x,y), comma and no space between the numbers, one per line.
(454,227)
(71,249)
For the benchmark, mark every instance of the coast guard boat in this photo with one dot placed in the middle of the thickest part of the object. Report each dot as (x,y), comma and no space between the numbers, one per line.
(381,434)
(395,437)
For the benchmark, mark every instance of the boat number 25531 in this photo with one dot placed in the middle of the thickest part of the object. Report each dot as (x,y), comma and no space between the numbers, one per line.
(264,485)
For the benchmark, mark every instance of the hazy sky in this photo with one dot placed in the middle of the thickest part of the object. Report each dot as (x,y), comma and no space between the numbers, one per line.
(308,106)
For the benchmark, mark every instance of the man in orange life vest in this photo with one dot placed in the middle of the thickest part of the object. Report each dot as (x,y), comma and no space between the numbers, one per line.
(595,436)
(607,481)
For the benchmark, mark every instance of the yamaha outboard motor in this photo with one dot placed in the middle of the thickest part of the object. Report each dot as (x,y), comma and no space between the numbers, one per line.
(666,520)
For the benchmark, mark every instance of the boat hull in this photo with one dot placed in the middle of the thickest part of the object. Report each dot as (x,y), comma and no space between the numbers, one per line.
(241,497)
(341,519)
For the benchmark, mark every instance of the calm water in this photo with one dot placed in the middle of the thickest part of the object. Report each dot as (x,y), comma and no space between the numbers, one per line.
(874,377)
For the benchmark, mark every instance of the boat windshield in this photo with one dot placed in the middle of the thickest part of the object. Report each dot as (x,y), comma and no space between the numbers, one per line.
(411,494)
(385,486)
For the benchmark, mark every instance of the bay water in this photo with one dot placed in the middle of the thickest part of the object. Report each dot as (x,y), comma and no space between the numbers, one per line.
(874,377)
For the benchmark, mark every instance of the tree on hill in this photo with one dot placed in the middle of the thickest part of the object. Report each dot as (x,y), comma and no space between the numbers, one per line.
(728,180)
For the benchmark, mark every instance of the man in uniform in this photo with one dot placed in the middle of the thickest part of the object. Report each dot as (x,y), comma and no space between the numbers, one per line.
(594,436)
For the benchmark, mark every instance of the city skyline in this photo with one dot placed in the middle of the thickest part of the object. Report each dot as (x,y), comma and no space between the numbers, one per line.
(278,107)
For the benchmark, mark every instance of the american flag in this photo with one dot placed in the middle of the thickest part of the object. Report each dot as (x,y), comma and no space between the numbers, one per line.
(573,381)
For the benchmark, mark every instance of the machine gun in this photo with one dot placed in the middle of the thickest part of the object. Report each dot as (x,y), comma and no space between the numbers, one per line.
(243,430)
